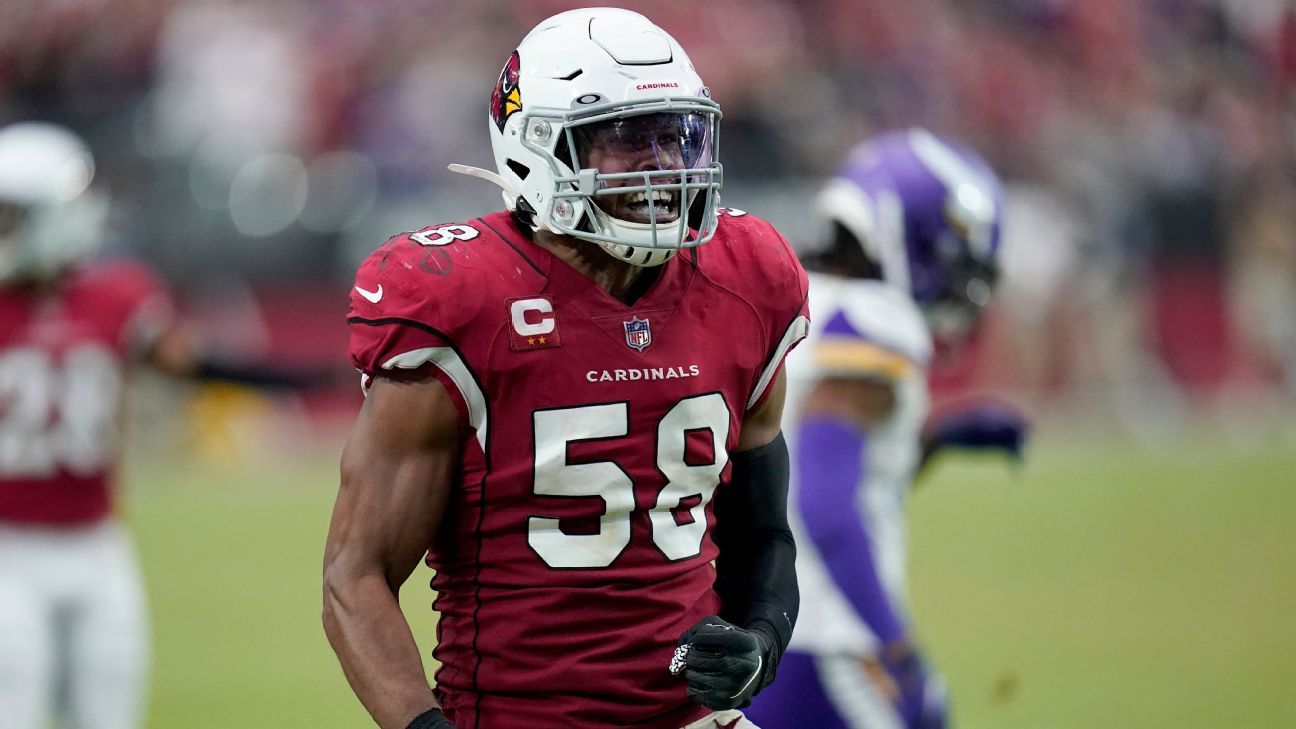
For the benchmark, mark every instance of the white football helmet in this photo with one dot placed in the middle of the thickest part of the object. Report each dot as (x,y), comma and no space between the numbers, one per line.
(49,217)
(602,130)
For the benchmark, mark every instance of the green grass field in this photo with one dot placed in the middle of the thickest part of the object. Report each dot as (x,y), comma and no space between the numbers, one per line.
(1099,587)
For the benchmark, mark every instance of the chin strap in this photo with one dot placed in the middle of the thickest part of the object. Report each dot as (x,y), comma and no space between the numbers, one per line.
(486,175)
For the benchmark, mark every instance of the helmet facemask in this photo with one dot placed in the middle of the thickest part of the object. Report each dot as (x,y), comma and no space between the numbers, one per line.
(627,176)
(954,311)
(50,218)
(13,221)
(39,241)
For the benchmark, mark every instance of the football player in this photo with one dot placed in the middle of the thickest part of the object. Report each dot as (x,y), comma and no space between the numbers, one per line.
(68,334)
(73,624)
(573,411)
(910,263)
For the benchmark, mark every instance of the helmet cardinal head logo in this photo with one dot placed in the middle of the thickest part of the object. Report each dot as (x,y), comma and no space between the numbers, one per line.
(507,97)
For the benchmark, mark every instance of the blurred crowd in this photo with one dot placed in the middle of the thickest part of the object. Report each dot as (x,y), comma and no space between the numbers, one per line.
(1149,147)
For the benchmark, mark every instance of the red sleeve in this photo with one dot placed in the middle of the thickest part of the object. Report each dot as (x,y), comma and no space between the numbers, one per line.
(403,323)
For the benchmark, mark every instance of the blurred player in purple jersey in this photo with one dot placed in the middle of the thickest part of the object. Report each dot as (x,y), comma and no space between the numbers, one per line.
(901,283)
(573,412)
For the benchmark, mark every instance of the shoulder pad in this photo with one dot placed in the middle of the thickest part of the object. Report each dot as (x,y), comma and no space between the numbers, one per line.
(882,315)
(430,276)
(748,252)
(131,295)
(124,281)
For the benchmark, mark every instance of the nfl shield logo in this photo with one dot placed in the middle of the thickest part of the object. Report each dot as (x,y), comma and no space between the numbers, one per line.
(638,335)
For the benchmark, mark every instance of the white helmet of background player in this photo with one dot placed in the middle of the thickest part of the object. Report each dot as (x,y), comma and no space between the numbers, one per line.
(49,218)
(602,130)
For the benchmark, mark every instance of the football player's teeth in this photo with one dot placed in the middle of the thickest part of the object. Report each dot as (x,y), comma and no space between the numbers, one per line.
(658,196)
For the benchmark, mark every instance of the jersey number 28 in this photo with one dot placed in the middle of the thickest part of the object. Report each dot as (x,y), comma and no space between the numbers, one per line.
(57,414)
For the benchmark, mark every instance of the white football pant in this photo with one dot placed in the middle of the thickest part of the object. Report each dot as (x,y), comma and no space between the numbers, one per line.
(732,719)
(73,628)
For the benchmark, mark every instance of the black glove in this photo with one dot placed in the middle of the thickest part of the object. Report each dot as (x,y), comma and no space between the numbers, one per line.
(431,719)
(987,426)
(723,664)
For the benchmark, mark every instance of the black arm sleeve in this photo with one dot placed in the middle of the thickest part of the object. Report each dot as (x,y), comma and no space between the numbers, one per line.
(755,572)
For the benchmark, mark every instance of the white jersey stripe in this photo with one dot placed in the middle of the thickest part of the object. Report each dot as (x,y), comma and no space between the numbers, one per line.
(448,361)
(796,331)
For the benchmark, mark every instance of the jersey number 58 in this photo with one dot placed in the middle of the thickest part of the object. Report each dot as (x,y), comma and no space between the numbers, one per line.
(689,486)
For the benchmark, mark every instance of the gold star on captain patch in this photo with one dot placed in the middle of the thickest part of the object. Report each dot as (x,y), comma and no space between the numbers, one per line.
(542,340)
(531,341)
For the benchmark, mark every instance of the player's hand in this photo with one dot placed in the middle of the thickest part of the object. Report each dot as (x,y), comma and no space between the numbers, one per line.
(985,426)
(723,664)
(919,695)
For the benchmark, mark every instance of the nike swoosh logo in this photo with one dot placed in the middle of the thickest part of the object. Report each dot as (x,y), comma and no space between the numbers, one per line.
(373,296)
(759,663)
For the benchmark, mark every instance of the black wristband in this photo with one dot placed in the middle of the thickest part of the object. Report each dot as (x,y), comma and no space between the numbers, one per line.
(431,719)
(774,647)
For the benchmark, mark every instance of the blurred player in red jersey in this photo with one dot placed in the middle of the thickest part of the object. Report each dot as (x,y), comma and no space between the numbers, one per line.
(73,621)
(573,410)
(72,608)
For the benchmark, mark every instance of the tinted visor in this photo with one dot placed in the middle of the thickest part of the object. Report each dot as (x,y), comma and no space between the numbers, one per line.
(663,141)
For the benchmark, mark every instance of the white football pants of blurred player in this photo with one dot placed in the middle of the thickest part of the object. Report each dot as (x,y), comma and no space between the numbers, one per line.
(732,719)
(73,628)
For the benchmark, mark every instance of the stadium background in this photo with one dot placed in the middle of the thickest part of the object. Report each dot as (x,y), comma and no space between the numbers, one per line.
(1135,571)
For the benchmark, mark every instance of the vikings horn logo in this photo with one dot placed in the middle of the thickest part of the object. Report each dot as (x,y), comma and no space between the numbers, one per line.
(507,97)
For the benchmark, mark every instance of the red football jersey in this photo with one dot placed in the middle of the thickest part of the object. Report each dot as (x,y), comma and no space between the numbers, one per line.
(63,353)
(577,547)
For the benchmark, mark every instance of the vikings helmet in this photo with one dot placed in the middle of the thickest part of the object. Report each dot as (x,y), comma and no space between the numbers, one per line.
(602,130)
(49,217)
(920,212)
